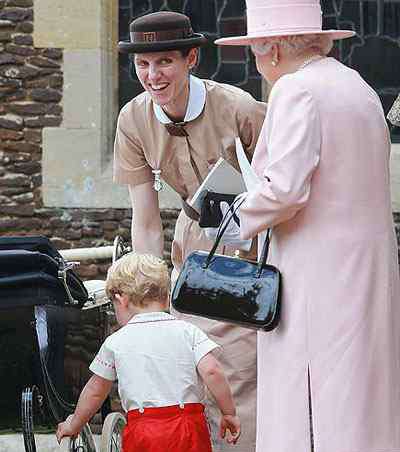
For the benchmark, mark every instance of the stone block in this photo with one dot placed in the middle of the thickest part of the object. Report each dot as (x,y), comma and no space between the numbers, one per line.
(54,54)
(28,108)
(10,121)
(37,83)
(14,96)
(7,58)
(22,50)
(46,95)
(5,200)
(48,213)
(48,71)
(7,223)
(7,134)
(24,198)
(72,175)
(13,191)
(43,121)
(8,85)
(70,25)
(33,136)
(20,3)
(5,36)
(25,27)
(15,180)
(24,40)
(83,80)
(17,210)
(11,157)
(40,61)
(56,81)
(24,73)
(6,24)
(20,146)
(15,14)
(55,109)
(28,168)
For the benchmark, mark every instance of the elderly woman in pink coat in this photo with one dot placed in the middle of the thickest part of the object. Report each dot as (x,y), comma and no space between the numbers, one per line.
(329,375)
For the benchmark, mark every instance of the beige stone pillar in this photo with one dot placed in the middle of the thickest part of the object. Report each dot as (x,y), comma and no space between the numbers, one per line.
(77,157)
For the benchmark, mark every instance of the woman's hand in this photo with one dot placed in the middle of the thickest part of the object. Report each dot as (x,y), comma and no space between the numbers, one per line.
(230,428)
(66,429)
(231,235)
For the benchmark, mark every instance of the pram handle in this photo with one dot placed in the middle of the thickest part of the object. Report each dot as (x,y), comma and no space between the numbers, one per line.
(114,252)
(81,254)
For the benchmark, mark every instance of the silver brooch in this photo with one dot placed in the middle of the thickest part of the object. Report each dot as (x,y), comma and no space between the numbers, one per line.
(158,185)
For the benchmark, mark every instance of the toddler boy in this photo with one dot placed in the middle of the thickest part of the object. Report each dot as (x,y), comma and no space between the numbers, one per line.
(160,363)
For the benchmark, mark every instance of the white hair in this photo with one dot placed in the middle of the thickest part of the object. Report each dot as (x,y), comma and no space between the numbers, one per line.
(294,44)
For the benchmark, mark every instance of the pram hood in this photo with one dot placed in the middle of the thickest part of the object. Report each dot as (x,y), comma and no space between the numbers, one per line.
(29,274)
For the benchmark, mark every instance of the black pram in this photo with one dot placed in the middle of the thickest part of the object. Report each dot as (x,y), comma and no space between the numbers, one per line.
(46,339)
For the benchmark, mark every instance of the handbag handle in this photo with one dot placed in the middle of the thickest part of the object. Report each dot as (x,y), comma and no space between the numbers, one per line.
(221,230)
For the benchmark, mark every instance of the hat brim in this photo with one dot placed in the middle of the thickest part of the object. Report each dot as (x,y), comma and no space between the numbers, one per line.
(197,40)
(247,39)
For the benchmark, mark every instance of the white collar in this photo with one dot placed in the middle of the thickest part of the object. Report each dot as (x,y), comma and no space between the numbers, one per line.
(197,100)
(151,317)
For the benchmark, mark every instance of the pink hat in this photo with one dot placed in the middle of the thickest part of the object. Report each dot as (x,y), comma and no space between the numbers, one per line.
(267,18)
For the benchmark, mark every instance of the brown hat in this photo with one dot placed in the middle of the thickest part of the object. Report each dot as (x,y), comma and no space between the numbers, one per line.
(157,32)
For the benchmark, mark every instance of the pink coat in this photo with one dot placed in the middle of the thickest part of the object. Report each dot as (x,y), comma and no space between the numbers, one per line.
(323,157)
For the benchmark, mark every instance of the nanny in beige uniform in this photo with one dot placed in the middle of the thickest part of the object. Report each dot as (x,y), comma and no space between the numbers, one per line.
(175,132)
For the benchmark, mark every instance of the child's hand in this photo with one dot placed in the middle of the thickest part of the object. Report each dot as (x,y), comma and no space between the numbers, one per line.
(66,429)
(231,424)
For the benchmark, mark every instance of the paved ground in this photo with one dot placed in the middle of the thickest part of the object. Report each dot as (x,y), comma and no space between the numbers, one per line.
(44,443)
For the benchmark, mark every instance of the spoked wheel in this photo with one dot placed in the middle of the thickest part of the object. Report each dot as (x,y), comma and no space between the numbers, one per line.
(31,402)
(84,442)
(111,436)
(27,420)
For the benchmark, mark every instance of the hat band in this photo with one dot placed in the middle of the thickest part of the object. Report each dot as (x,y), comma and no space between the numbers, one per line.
(157,36)
(284,17)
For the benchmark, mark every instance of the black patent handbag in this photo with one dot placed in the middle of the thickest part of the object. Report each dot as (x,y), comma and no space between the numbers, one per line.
(228,288)
(211,213)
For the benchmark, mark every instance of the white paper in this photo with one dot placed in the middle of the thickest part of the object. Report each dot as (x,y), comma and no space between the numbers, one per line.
(251,180)
(223,178)
(249,176)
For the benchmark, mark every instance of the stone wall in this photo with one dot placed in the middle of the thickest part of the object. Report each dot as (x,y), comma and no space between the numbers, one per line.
(31,91)
(31,94)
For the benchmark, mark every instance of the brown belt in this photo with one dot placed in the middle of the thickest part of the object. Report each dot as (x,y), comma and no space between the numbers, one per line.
(189,211)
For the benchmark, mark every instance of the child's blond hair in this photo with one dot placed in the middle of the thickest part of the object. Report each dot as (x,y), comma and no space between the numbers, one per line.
(142,277)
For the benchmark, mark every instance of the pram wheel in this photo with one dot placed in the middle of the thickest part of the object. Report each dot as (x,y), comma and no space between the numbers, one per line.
(84,442)
(29,397)
(111,436)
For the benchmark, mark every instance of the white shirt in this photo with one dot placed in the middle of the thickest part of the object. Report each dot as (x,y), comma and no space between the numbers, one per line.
(154,358)
(196,102)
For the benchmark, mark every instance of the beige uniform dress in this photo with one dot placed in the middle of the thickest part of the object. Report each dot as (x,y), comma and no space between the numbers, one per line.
(216,114)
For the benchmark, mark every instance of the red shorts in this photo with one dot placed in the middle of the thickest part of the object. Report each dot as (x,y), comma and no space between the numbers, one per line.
(167,429)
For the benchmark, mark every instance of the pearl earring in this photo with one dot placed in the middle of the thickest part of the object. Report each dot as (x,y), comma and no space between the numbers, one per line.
(274,63)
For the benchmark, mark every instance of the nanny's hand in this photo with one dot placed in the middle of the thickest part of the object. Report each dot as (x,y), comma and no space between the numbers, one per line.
(231,235)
